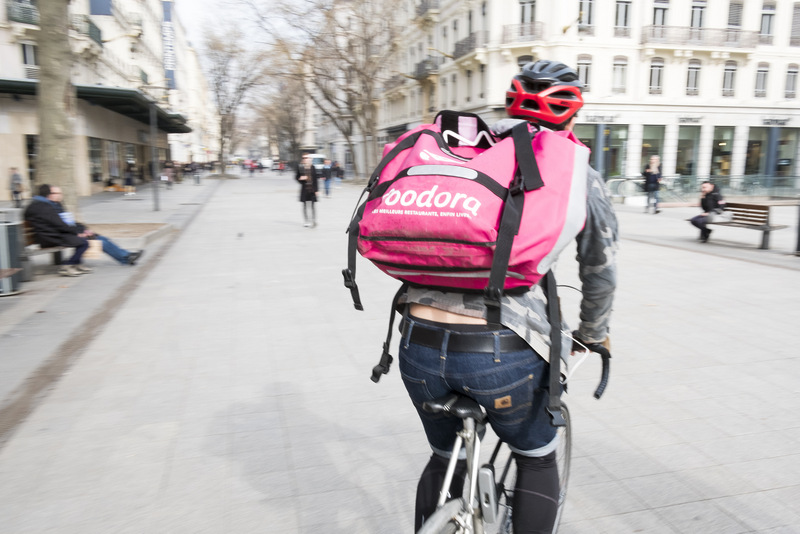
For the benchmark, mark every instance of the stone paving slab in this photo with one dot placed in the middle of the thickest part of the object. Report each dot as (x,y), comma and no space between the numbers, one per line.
(231,391)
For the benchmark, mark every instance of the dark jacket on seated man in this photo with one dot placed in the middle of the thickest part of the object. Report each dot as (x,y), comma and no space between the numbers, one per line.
(49,228)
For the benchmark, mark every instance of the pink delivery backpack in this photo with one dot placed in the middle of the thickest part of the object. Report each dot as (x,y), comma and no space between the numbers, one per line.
(453,207)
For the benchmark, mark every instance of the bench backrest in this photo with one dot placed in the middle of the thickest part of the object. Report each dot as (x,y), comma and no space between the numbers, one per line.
(28,234)
(752,214)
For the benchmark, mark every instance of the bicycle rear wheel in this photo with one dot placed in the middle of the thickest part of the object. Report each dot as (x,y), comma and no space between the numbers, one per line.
(563,461)
(447,519)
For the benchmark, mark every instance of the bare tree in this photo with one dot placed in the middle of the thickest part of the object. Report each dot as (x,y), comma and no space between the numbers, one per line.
(56,105)
(343,46)
(284,112)
(233,71)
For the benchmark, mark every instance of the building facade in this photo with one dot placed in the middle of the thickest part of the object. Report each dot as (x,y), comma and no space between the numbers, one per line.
(711,86)
(130,58)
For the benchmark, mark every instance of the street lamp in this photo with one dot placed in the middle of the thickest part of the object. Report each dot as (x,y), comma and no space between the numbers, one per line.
(153,136)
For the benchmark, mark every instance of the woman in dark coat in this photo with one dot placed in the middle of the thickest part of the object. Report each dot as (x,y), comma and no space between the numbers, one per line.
(309,180)
(652,183)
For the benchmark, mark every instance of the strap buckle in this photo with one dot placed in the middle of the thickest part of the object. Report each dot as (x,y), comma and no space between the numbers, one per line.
(350,283)
(383,367)
(556,417)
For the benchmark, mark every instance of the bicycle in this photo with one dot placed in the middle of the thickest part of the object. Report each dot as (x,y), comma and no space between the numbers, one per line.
(487,508)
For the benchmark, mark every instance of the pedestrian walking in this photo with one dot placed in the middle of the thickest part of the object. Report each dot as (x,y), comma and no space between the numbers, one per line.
(309,185)
(16,187)
(327,176)
(652,183)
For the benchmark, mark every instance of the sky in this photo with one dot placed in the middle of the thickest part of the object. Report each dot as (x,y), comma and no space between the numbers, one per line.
(196,15)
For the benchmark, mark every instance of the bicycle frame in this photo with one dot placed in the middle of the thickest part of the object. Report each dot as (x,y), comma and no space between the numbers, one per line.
(468,437)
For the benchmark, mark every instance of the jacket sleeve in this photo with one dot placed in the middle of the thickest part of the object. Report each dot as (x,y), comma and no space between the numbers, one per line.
(597,251)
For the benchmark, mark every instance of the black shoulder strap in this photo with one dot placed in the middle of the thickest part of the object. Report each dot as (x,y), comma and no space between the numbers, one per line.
(386,359)
(528,178)
(349,273)
(554,316)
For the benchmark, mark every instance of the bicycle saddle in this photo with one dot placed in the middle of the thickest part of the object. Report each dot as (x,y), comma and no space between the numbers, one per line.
(457,406)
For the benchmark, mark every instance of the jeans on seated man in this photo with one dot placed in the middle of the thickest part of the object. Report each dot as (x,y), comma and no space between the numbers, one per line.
(54,227)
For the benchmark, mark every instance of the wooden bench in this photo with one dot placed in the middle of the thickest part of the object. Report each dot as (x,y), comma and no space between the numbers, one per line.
(33,249)
(753,216)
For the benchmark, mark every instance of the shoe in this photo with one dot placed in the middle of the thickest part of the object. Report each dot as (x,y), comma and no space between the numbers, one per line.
(658,211)
(306,224)
(83,269)
(133,256)
(69,270)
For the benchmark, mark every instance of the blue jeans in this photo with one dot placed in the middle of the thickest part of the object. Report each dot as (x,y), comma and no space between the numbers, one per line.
(511,386)
(78,255)
(114,250)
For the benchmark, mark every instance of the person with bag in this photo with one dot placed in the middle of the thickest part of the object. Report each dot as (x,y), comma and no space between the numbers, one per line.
(713,206)
(652,183)
(452,339)
(308,178)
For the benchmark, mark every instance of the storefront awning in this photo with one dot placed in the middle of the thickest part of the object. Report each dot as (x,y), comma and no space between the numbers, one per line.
(128,102)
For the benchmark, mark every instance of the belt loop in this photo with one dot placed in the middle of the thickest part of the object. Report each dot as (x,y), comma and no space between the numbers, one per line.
(496,347)
(445,341)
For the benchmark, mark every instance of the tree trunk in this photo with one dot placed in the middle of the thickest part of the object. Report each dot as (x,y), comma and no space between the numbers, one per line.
(57,101)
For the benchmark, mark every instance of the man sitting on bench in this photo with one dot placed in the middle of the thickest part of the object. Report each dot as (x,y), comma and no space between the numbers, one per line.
(710,201)
(54,227)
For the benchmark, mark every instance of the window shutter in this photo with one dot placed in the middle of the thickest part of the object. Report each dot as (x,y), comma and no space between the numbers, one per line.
(796,21)
(735,15)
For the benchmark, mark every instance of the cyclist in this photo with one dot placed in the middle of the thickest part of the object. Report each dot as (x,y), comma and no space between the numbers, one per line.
(447,344)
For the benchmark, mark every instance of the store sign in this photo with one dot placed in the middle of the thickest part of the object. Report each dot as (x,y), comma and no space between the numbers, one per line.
(602,119)
(689,120)
(168,38)
(775,121)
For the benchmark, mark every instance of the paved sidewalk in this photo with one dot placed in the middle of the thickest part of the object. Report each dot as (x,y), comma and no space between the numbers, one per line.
(229,391)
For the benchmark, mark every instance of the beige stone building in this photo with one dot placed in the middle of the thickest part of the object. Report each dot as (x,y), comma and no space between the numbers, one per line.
(131,58)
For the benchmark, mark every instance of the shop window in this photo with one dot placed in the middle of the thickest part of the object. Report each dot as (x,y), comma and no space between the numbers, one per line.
(95,159)
(721,151)
(756,158)
(652,143)
(688,143)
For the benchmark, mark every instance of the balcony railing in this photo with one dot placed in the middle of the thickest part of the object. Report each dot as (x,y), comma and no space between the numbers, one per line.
(684,35)
(427,5)
(395,81)
(32,72)
(24,13)
(426,67)
(622,31)
(517,33)
(84,26)
(469,44)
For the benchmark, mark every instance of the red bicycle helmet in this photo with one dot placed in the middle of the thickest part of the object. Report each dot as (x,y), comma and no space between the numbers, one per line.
(546,92)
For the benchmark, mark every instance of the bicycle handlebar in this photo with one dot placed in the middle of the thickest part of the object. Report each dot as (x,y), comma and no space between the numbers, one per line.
(605,356)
